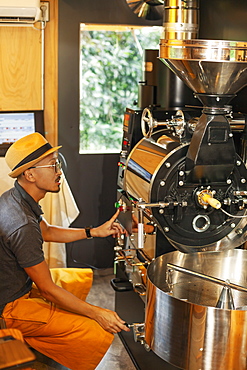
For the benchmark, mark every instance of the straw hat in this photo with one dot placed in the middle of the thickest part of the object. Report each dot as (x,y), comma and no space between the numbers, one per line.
(26,152)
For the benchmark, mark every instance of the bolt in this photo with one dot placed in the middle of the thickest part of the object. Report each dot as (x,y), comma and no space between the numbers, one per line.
(239,231)
(146,346)
(180,183)
(243,181)
(166,229)
(168,165)
(238,163)
(181,173)
(161,211)
(162,183)
(233,225)
(230,135)
(228,181)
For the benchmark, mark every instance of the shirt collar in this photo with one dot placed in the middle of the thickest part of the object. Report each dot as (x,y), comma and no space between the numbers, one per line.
(36,208)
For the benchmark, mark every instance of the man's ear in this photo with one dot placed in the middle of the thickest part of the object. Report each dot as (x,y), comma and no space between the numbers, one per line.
(28,175)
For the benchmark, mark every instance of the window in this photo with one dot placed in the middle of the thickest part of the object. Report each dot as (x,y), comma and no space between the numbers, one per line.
(111,60)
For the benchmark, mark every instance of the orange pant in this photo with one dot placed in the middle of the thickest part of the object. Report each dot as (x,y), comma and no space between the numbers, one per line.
(74,341)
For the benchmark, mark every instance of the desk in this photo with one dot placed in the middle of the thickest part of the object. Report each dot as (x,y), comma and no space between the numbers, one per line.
(59,209)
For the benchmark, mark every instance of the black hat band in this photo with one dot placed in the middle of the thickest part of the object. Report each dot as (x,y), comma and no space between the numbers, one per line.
(36,154)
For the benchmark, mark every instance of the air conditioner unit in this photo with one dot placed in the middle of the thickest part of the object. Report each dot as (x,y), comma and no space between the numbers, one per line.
(19,11)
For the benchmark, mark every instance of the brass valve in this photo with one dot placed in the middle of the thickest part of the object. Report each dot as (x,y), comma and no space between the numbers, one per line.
(205,197)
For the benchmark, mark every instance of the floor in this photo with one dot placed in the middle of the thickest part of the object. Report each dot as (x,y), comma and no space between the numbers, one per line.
(101,295)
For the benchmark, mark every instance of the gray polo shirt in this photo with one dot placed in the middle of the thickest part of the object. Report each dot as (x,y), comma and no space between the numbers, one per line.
(20,242)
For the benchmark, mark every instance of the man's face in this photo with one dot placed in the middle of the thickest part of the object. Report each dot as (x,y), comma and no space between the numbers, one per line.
(47,179)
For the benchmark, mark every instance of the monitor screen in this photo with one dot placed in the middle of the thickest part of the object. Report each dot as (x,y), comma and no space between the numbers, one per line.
(14,125)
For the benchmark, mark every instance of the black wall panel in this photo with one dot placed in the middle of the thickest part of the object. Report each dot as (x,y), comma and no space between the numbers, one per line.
(92,178)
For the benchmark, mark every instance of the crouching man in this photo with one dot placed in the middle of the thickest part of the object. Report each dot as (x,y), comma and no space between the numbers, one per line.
(53,318)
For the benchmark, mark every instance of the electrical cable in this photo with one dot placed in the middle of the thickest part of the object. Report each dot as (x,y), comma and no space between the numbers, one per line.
(233,216)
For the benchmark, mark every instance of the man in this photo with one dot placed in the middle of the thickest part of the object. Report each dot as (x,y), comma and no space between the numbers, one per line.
(53,318)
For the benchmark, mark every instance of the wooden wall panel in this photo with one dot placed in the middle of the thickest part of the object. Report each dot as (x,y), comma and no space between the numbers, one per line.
(51,75)
(21,70)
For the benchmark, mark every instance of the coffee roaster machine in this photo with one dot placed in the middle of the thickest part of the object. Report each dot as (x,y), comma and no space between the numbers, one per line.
(182,172)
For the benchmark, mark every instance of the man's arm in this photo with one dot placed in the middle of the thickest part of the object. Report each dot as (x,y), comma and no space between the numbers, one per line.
(51,233)
(41,276)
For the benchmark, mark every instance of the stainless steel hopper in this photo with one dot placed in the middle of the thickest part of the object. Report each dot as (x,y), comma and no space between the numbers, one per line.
(211,67)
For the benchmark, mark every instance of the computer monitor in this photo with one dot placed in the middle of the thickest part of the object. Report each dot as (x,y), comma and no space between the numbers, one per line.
(14,125)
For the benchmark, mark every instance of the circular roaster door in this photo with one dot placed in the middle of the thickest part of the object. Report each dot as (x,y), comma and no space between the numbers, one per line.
(155,172)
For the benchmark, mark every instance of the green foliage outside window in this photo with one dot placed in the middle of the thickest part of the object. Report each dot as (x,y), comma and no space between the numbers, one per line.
(111,67)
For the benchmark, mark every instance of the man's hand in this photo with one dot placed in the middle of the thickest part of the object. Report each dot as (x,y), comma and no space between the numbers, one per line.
(109,320)
(108,228)
(59,234)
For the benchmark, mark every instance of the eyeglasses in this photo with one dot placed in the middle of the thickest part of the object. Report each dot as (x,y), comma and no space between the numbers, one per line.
(57,166)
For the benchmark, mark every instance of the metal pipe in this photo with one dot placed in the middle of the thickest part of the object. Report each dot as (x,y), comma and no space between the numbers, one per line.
(181,19)
(140,229)
(129,258)
(206,277)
